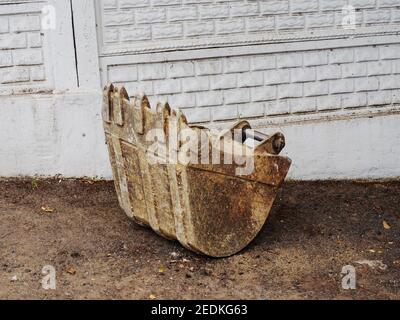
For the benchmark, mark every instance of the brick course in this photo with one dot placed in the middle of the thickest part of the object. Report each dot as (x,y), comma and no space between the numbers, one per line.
(21,52)
(254,86)
(200,19)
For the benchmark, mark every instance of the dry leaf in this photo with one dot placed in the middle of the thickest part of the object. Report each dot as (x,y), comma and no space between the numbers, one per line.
(152,297)
(47,209)
(161,270)
(386,225)
(71,270)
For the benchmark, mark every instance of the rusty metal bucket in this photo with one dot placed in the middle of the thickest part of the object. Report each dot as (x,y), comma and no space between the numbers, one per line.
(215,208)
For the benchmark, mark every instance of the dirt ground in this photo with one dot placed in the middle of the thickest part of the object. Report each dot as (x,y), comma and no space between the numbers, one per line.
(314,229)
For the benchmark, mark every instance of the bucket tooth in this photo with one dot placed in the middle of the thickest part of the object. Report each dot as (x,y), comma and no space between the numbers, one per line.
(163,113)
(164,109)
(124,93)
(141,103)
(183,120)
(119,105)
(209,208)
(107,102)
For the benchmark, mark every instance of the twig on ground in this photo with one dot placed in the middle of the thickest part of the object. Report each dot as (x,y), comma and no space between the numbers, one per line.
(5,235)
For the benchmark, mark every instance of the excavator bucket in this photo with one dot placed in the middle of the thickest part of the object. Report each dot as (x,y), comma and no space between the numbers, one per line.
(210,190)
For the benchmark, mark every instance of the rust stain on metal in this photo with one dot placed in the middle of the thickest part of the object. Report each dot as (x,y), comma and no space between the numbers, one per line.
(207,207)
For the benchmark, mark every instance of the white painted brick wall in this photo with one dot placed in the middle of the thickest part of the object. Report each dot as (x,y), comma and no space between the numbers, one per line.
(254,86)
(21,51)
(24,23)
(201,19)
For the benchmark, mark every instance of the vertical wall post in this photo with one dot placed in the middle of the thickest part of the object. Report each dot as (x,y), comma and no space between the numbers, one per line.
(84,25)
